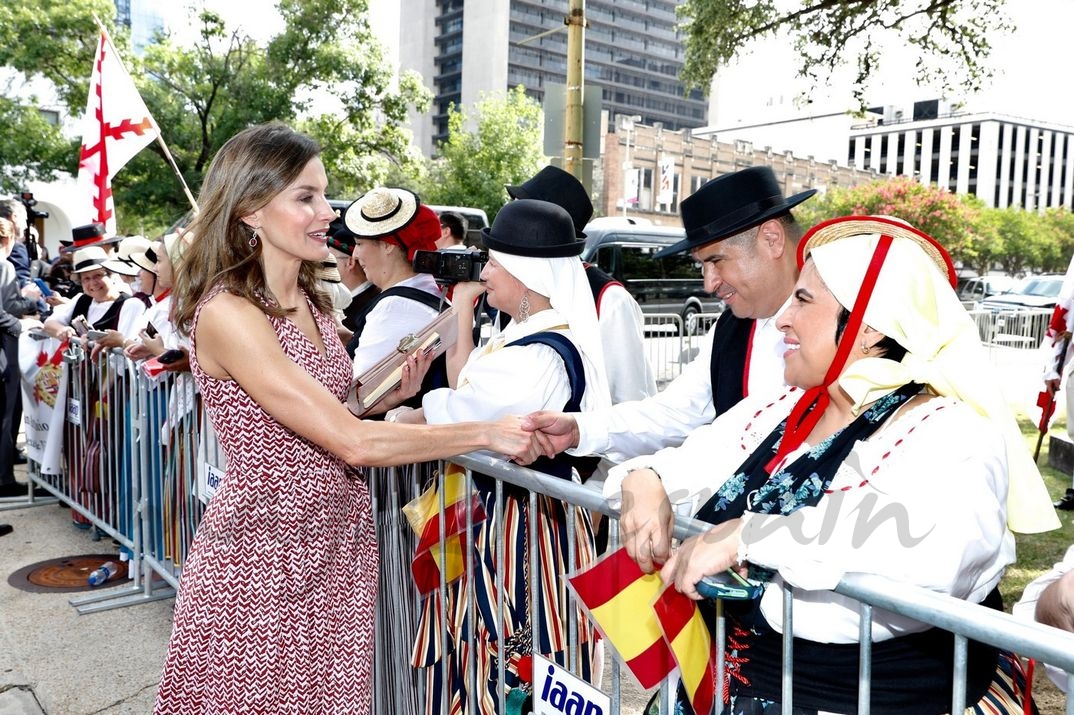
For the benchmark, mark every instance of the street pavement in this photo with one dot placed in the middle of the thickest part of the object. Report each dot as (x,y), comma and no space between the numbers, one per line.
(55,661)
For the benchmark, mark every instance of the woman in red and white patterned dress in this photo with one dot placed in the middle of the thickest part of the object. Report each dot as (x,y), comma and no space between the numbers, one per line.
(276,603)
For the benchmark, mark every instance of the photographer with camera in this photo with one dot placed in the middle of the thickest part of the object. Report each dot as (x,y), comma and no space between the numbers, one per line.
(390,226)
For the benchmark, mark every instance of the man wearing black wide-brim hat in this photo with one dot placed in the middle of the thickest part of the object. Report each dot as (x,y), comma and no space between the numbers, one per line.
(740,228)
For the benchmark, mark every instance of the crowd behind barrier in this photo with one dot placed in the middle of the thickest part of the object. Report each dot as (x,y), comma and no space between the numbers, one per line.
(139,463)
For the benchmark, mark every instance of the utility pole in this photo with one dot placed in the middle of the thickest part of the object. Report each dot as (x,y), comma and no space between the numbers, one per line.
(572,149)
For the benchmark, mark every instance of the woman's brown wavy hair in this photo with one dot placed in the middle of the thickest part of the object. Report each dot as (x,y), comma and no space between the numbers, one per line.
(249,171)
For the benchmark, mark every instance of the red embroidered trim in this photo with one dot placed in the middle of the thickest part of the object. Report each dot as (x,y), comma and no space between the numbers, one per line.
(746,429)
(886,454)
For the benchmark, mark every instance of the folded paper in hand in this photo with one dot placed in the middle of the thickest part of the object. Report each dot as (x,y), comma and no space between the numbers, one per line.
(376,382)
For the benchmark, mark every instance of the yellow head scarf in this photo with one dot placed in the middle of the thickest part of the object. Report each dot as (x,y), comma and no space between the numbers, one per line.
(913,303)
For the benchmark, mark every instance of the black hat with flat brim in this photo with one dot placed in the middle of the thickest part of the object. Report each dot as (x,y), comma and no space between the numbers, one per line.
(539,229)
(561,188)
(731,204)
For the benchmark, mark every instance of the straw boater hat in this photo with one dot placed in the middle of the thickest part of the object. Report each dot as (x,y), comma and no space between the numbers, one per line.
(89,258)
(147,259)
(896,228)
(381,211)
(329,270)
(121,263)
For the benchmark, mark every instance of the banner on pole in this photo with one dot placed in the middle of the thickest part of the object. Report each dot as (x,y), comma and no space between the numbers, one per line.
(44,400)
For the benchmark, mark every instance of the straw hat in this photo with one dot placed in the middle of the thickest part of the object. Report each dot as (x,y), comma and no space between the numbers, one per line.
(381,211)
(121,263)
(147,259)
(329,271)
(88,259)
(845,226)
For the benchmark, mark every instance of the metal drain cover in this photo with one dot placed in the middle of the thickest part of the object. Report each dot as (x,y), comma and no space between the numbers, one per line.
(66,574)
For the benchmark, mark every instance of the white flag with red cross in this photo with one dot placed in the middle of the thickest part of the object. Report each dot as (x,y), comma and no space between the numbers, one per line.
(117,125)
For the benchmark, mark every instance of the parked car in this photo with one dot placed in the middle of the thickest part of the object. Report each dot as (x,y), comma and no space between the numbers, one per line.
(981,287)
(1034,292)
(660,285)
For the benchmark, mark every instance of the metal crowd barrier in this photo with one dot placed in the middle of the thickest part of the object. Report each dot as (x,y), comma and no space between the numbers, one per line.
(671,343)
(1023,329)
(966,620)
(139,455)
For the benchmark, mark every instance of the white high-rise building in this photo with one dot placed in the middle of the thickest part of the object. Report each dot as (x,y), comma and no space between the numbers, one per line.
(1003,160)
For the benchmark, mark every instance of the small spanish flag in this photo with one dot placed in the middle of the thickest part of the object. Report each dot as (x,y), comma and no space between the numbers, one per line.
(688,636)
(618,597)
(423,514)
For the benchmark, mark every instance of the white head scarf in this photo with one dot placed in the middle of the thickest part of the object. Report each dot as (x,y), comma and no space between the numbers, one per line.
(914,304)
(563,281)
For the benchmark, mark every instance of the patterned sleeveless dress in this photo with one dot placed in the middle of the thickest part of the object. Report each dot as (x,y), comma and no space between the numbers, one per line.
(275,611)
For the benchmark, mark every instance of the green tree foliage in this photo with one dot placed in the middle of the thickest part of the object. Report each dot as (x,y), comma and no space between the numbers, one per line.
(944,216)
(31,148)
(978,237)
(49,40)
(323,73)
(950,36)
(505,148)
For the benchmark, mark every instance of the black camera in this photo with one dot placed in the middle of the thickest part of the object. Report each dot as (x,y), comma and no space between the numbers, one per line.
(451,266)
(28,201)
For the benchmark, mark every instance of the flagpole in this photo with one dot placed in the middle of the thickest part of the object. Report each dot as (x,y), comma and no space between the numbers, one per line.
(160,135)
(178,174)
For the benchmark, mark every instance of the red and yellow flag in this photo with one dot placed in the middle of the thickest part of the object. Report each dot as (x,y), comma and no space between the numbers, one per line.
(618,597)
(691,644)
(423,514)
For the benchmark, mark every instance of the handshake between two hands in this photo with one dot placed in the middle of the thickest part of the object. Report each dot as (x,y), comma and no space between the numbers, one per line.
(538,434)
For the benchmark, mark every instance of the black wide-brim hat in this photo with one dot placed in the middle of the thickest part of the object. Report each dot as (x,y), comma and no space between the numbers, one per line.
(731,204)
(539,229)
(561,188)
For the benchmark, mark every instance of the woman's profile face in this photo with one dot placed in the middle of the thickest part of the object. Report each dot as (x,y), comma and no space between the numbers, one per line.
(294,224)
(372,256)
(164,269)
(503,290)
(809,324)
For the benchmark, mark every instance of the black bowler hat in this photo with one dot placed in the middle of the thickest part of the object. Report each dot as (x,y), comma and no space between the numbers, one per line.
(561,188)
(730,204)
(539,229)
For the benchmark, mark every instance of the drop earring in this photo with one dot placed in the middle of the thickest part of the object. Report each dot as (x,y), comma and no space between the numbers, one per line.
(252,243)
(524,308)
(864,348)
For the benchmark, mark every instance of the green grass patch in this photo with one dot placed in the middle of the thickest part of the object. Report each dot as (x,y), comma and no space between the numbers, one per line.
(1038,552)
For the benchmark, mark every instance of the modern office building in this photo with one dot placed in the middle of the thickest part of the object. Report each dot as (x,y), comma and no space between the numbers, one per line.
(466,48)
(1003,160)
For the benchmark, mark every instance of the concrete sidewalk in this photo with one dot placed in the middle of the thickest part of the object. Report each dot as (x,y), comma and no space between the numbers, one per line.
(55,661)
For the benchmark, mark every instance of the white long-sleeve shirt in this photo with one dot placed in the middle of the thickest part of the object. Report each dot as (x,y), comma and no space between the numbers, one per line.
(630,429)
(923,501)
(514,380)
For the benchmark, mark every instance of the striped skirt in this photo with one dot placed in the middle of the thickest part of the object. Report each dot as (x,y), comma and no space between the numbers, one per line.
(448,648)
